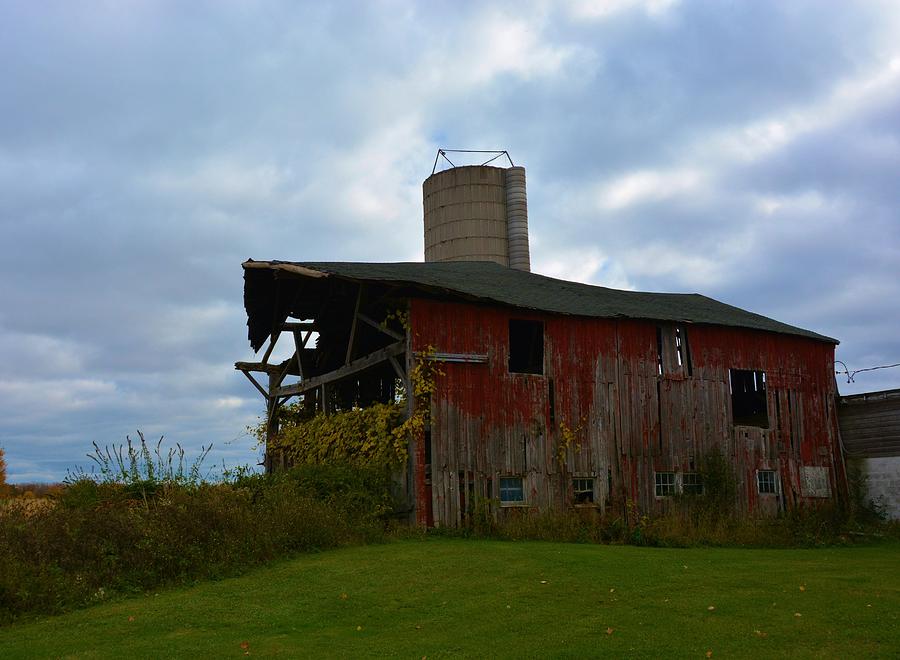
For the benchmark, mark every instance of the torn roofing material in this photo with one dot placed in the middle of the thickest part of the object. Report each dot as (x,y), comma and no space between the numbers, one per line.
(492,282)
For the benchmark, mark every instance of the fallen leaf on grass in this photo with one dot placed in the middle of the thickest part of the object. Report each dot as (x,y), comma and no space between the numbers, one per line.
(709,654)
(131,618)
(760,633)
(802,587)
(612,591)
(245,647)
(610,631)
(344,596)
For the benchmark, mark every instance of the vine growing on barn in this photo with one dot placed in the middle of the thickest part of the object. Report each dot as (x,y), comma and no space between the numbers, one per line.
(375,436)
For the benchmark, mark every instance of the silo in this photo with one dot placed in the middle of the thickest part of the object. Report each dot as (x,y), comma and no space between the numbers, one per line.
(467,215)
(517,219)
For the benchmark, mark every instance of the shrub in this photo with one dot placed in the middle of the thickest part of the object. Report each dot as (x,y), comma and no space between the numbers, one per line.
(374,436)
(130,530)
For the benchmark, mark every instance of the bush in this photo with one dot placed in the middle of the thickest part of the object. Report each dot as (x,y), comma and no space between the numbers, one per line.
(127,531)
(690,522)
(363,492)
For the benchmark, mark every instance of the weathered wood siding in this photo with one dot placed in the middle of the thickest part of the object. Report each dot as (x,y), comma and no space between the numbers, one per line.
(870,424)
(628,420)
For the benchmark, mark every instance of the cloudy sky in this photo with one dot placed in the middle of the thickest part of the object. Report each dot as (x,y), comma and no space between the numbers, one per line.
(746,150)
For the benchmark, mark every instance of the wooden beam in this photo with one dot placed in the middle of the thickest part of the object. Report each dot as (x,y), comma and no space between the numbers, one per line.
(287,268)
(400,373)
(355,366)
(265,368)
(379,326)
(467,358)
(299,345)
(273,338)
(255,383)
(294,326)
(353,325)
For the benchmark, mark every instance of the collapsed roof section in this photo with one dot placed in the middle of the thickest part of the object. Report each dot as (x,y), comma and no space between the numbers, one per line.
(315,283)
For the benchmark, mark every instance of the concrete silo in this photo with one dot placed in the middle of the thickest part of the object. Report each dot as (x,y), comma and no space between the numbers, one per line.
(477,213)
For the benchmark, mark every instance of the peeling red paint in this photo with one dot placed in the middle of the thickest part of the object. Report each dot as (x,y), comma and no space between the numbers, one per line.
(628,420)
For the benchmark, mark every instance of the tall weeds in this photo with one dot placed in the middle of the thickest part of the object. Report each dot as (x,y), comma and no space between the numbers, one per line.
(148,518)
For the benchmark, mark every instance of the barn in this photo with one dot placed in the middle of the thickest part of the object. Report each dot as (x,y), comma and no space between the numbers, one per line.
(550,394)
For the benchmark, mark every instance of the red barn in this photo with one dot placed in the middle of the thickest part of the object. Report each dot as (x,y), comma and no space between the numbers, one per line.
(555,393)
(552,394)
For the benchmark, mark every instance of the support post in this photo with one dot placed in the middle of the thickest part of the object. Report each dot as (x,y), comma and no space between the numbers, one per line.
(417,490)
(353,325)
(271,422)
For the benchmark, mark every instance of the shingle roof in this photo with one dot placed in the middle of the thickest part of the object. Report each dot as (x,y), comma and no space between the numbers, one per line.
(492,282)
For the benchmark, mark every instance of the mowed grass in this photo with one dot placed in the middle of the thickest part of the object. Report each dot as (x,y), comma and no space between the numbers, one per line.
(453,598)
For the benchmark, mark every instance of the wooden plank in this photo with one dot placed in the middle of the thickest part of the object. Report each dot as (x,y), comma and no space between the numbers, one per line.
(465,358)
(355,366)
(255,383)
(378,326)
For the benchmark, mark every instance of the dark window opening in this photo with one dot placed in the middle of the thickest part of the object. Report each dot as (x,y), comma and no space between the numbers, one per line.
(584,491)
(526,347)
(683,350)
(748,398)
(511,490)
(765,481)
(692,483)
(665,484)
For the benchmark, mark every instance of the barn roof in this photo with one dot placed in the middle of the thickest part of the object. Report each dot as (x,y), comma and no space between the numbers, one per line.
(488,281)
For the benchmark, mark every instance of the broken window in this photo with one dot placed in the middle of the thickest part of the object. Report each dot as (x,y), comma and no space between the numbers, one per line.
(692,483)
(683,351)
(665,484)
(511,490)
(584,490)
(659,350)
(748,398)
(765,482)
(526,347)
(673,353)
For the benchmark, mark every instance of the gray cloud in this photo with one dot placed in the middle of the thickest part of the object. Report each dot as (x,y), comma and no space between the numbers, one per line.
(744,150)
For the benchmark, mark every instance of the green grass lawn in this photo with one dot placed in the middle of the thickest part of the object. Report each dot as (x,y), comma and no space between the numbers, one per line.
(450,598)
